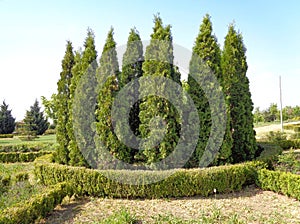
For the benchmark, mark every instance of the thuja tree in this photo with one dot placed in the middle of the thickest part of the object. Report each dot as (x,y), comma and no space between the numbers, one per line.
(7,121)
(63,96)
(84,62)
(35,121)
(159,63)
(206,53)
(132,70)
(108,75)
(236,88)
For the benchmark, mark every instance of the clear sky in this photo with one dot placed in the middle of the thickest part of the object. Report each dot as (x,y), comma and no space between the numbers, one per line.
(34,33)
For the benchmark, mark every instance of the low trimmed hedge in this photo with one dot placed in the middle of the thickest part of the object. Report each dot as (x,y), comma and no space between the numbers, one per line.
(6,135)
(38,206)
(15,157)
(280,182)
(182,183)
(26,147)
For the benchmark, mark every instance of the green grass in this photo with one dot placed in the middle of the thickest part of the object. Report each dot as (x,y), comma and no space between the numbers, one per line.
(16,140)
(13,168)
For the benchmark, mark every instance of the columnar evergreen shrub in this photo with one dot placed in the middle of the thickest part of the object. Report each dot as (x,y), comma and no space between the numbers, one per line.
(238,96)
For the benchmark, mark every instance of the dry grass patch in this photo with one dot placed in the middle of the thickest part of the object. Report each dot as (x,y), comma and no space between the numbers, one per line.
(251,205)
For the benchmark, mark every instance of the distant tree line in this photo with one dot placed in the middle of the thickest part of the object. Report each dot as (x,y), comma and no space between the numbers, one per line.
(272,113)
(34,122)
(229,65)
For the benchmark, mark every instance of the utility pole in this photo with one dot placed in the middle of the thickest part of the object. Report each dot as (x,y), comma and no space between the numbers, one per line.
(281,118)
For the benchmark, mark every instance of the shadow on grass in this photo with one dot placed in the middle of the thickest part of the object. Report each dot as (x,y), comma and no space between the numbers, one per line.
(65,213)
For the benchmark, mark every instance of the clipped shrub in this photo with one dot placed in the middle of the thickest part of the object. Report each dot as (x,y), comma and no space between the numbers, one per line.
(280,139)
(50,132)
(22,176)
(26,147)
(38,206)
(269,153)
(280,182)
(6,135)
(5,181)
(182,183)
(16,157)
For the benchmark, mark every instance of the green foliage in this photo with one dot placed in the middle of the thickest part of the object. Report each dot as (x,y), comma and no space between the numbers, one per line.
(280,182)
(5,181)
(289,162)
(50,108)
(269,153)
(108,73)
(15,157)
(26,147)
(159,63)
(63,96)
(121,217)
(34,120)
(37,206)
(131,70)
(238,96)
(183,183)
(208,51)
(6,135)
(7,122)
(84,62)
(280,138)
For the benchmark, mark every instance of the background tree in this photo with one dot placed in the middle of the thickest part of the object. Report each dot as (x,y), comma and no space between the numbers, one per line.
(63,96)
(83,62)
(35,121)
(7,121)
(236,88)
(159,63)
(50,108)
(207,49)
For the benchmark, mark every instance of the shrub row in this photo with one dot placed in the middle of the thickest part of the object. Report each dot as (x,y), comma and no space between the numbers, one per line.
(26,147)
(182,183)
(280,182)
(6,135)
(15,157)
(38,206)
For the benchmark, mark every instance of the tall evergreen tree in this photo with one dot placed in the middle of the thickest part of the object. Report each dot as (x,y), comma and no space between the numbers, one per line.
(35,120)
(132,70)
(63,96)
(206,52)
(109,74)
(236,88)
(159,63)
(83,62)
(7,122)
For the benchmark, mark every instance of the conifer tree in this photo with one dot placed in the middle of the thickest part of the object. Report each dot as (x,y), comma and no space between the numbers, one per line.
(7,122)
(63,96)
(83,62)
(109,74)
(236,88)
(132,70)
(35,121)
(206,52)
(159,63)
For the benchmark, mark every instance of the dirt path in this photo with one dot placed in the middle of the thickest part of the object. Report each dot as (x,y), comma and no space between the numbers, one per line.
(262,131)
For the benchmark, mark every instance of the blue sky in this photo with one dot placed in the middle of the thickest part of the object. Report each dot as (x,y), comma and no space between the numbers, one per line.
(34,34)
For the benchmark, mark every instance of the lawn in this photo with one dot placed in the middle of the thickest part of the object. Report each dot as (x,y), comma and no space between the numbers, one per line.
(16,140)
